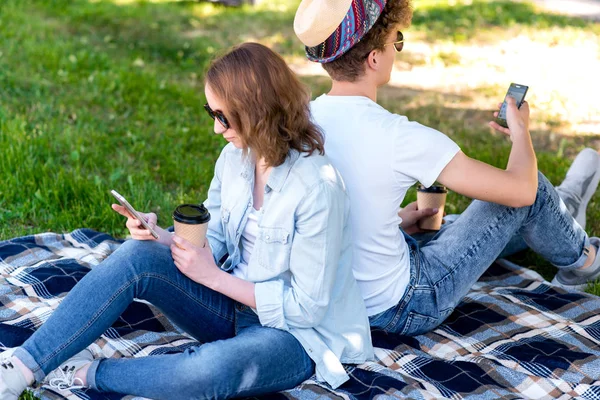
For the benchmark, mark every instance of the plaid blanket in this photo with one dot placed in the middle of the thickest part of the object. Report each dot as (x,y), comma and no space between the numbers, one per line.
(513,336)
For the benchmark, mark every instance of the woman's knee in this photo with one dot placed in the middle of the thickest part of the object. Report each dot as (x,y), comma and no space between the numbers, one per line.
(139,257)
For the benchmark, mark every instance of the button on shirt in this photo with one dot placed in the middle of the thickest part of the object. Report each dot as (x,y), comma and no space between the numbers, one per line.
(301,260)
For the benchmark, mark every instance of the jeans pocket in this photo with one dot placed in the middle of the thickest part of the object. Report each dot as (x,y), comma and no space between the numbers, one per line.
(417,324)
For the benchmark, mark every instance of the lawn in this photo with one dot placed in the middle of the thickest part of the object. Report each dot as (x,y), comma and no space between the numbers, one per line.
(100,95)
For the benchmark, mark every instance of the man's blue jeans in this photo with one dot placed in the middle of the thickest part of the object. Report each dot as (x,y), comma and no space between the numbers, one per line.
(237,357)
(444,268)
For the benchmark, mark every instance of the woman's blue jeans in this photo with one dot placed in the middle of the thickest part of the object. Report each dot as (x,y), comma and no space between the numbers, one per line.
(444,268)
(237,356)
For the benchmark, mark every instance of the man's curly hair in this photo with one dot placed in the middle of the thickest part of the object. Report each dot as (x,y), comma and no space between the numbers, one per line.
(351,65)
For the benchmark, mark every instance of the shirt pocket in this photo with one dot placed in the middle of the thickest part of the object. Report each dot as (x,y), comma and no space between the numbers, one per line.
(274,249)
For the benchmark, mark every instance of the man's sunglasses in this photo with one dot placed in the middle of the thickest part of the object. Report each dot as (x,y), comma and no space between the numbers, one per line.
(399,43)
(217,115)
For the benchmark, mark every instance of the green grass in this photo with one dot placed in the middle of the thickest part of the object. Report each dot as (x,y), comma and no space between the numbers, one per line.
(28,395)
(100,95)
(466,20)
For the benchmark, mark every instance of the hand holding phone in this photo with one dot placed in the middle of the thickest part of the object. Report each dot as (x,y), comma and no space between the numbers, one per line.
(518,93)
(134,213)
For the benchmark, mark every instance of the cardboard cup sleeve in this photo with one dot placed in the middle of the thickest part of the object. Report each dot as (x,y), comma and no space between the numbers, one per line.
(431,200)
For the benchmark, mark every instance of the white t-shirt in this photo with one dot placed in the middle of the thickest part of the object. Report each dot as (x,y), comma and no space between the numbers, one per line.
(380,156)
(247,241)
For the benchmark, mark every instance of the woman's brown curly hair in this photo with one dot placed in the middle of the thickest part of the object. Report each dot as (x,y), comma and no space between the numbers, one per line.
(265,102)
(351,65)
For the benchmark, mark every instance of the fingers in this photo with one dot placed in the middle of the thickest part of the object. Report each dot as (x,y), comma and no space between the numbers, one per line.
(411,206)
(427,212)
(151,219)
(501,129)
(121,210)
(182,243)
(510,101)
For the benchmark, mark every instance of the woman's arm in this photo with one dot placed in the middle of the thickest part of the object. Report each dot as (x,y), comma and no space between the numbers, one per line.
(516,186)
(316,248)
(199,265)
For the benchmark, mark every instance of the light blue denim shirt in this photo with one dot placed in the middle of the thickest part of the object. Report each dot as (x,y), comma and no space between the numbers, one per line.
(301,261)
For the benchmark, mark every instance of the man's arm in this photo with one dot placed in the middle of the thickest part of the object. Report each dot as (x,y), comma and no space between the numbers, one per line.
(516,186)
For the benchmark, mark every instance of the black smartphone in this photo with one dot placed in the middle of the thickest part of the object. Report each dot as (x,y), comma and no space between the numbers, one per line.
(517,92)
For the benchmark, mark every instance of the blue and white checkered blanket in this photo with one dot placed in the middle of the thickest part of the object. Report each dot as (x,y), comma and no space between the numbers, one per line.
(513,336)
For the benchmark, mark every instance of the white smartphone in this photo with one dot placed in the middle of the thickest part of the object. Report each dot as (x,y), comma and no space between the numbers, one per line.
(135,214)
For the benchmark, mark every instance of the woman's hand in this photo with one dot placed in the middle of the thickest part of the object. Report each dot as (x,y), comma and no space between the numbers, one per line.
(197,263)
(517,119)
(136,229)
(411,216)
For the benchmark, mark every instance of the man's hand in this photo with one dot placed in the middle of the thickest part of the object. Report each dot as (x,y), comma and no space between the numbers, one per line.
(517,119)
(411,216)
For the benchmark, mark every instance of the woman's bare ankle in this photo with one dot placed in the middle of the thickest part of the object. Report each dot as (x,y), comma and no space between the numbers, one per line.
(27,373)
(81,375)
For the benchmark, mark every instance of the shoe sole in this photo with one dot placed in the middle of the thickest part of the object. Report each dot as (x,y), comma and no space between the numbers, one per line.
(579,288)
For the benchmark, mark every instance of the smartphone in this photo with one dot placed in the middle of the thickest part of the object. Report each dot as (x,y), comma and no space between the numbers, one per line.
(517,92)
(135,214)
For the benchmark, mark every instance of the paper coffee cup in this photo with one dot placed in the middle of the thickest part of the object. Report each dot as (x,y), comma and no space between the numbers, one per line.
(191,223)
(432,197)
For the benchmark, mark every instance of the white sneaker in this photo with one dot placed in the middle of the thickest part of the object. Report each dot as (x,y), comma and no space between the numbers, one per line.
(580,183)
(12,381)
(63,377)
(579,279)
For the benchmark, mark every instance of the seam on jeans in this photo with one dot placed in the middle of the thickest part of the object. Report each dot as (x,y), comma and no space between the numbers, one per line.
(111,299)
(95,317)
(194,299)
(312,366)
(279,381)
(410,289)
(468,254)
(566,226)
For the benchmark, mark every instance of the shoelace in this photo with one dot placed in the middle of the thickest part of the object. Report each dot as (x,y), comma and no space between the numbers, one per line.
(6,363)
(65,379)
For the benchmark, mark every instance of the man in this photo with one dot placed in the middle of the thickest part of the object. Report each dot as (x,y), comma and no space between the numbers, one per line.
(408,288)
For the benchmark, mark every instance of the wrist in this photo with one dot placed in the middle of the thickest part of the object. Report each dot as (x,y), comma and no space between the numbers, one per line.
(216,280)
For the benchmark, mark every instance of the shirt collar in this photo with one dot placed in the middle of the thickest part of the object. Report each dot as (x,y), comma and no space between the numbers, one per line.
(278,174)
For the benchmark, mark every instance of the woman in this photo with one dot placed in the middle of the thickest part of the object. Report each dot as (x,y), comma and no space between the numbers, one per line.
(272,297)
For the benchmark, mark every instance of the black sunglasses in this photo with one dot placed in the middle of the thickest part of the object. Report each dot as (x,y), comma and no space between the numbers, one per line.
(217,115)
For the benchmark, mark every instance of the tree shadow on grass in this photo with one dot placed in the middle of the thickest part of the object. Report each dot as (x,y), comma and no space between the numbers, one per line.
(161,28)
(465,21)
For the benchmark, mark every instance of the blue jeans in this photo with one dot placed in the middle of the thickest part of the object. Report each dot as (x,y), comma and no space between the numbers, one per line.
(237,357)
(444,268)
